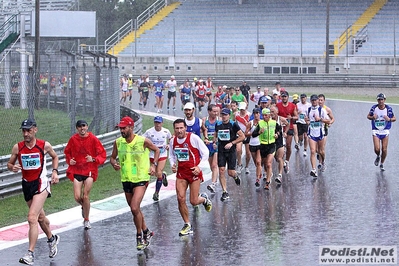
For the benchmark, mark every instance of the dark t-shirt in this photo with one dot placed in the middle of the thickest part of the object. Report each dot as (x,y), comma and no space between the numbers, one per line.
(226,133)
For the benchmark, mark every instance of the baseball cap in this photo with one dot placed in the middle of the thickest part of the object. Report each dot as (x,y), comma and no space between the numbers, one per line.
(28,124)
(265,111)
(295,97)
(284,93)
(172,77)
(81,123)
(258,86)
(242,106)
(314,97)
(303,95)
(381,96)
(189,105)
(158,119)
(126,121)
(277,83)
(263,99)
(226,111)
(256,110)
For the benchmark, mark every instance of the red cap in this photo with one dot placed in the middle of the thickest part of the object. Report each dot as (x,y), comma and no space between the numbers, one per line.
(126,121)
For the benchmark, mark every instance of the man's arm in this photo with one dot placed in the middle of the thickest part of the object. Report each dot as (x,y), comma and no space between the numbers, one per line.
(112,160)
(11,164)
(49,149)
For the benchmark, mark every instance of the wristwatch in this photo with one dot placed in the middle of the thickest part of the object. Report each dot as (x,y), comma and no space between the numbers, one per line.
(156,164)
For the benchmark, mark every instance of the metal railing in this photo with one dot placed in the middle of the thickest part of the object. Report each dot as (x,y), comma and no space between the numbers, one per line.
(10,182)
(130,25)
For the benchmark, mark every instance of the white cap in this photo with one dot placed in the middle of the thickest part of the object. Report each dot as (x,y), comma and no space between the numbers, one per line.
(224,87)
(172,77)
(189,105)
(242,106)
(131,75)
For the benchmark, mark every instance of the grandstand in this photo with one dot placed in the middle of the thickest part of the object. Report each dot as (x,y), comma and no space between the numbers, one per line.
(284,28)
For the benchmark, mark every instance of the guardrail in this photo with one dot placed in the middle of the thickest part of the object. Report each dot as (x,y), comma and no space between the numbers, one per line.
(10,182)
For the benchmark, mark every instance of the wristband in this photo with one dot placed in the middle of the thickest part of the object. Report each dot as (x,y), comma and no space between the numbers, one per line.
(55,170)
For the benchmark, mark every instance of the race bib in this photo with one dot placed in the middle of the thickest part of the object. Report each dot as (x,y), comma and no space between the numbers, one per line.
(380,124)
(186,97)
(182,154)
(201,92)
(224,135)
(159,89)
(301,116)
(210,136)
(30,161)
(315,124)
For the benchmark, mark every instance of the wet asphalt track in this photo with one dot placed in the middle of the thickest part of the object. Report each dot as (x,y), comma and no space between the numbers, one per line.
(351,203)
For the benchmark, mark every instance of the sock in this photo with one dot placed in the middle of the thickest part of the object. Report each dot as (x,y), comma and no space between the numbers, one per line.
(146,231)
(188,224)
(158,185)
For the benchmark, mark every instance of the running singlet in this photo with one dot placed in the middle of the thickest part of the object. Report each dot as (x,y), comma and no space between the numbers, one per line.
(380,123)
(201,92)
(242,120)
(219,99)
(32,160)
(253,141)
(158,88)
(187,93)
(171,85)
(316,128)
(160,139)
(194,126)
(211,132)
(187,157)
(302,110)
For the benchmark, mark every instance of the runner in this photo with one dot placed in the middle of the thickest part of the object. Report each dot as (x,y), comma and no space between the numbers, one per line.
(254,144)
(158,88)
(268,131)
(322,100)
(227,134)
(288,110)
(171,85)
(193,123)
(279,155)
(208,130)
(242,119)
(133,152)
(185,93)
(302,126)
(160,136)
(316,117)
(186,152)
(381,116)
(200,95)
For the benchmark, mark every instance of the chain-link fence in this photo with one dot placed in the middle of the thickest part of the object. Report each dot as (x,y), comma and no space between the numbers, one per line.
(69,87)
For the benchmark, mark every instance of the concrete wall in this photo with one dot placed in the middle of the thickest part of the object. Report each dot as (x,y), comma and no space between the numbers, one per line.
(242,65)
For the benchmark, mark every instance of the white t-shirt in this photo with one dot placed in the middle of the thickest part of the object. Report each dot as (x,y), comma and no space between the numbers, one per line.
(160,139)
(171,85)
(302,110)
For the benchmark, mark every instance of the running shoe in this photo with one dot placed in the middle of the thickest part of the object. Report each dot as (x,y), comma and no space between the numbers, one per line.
(257,183)
(382,167)
(167,108)
(305,153)
(164,180)
(278,179)
(237,180)
(207,203)
(267,186)
(140,103)
(319,166)
(212,187)
(377,161)
(28,258)
(238,169)
(155,197)
(225,196)
(140,243)
(264,176)
(246,170)
(323,167)
(297,146)
(186,230)
(313,173)
(147,237)
(53,246)
(174,108)
(158,111)
(86,225)
(286,167)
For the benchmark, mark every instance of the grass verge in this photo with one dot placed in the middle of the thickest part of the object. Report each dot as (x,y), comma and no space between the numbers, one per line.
(14,209)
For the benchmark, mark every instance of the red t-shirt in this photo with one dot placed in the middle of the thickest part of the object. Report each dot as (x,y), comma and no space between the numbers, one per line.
(31,160)
(284,111)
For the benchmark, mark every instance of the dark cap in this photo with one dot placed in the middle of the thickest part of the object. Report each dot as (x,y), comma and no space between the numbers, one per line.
(256,110)
(226,111)
(81,123)
(381,96)
(158,119)
(284,93)
(28,124)
(264,99)
(314,97)
(277,83)
(126,121)
(303,95)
